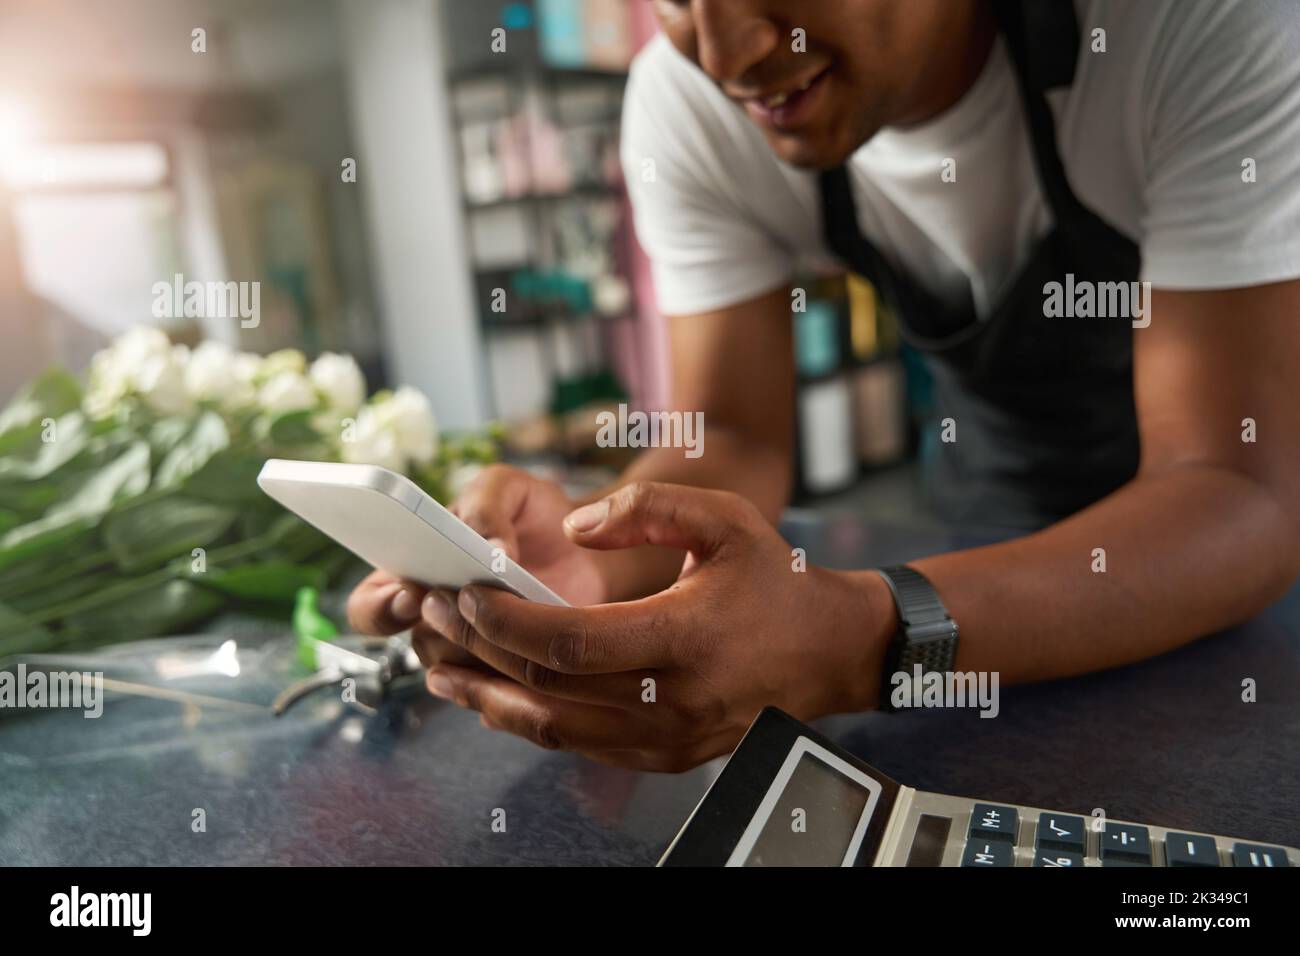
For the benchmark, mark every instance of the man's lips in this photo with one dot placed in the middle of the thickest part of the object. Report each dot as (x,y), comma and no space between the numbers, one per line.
(785,107)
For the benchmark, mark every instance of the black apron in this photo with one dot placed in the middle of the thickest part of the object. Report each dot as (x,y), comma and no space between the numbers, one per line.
(1043,407)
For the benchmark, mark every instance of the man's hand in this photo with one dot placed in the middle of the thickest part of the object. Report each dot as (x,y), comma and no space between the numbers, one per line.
(523,516)
(673,679)
(516,512)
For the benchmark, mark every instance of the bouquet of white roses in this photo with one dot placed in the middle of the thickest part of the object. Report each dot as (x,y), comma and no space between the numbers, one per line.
(129,506)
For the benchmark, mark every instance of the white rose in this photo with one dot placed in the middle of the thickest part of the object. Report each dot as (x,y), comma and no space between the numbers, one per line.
(160,381)
(410,416)
(284,360)
(286,392)
(394,432)
(210,371)
(373,442)
(247,366)
(109,383)
(140,343)
(215,373)
(141,362)
(339,380)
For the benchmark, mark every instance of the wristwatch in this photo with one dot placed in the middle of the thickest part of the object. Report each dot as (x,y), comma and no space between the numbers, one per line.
(926,634)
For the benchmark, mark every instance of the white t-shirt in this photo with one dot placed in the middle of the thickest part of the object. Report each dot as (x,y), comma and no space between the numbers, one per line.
(1153,133)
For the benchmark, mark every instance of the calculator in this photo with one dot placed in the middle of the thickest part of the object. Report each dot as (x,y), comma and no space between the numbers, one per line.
(789,797)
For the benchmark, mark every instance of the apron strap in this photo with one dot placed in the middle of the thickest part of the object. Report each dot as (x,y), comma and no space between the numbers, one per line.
(926,315)
(1048,62)
(1051,21)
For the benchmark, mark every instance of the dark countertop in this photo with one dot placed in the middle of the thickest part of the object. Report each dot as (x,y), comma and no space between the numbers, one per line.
(1167,742)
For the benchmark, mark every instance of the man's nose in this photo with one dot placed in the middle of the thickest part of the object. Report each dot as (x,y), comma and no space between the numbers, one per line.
(733,36)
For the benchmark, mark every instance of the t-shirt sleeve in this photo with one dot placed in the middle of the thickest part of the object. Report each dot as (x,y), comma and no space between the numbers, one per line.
(705,249)
(1222,196)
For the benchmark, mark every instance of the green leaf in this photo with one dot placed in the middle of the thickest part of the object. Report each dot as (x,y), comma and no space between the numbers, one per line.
(153,608)
(294,428)
(124,477)
(297,540)
(334,561)
(230,477)
(36,537)
(21,636)
(27,500)
(147,534)
(265,581)
(53,394)
(166,433)
(58,593)
(37,577)
(20,577)
(33,499)
(200,445)
(21,438)
(71,437)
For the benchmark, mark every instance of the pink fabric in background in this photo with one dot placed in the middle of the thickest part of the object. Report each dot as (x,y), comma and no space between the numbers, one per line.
(641,347)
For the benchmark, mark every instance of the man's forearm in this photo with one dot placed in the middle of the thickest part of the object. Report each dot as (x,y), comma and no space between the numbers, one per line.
(730,463)
(1186,552)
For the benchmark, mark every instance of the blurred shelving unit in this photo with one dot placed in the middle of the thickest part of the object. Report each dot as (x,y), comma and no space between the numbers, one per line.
(856,396)
(535,91)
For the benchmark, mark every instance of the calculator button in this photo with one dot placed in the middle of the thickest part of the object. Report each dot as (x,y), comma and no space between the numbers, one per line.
(993,822)
(1059,858)
(1061,830)
(988,853)
(1123,861)
(1188,849)
(1126,839)
(1256,854)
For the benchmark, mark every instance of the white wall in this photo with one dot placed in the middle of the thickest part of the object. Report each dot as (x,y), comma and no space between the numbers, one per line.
(147,42)
(114,68)
(25,349)
(406,168)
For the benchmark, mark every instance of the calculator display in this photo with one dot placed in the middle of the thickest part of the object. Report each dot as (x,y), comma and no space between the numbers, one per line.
(815,813)
(814,820)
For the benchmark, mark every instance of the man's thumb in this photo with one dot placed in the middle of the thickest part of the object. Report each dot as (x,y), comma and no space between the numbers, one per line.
(647,512)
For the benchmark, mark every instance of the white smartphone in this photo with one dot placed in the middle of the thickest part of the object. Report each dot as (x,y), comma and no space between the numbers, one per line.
(388,521)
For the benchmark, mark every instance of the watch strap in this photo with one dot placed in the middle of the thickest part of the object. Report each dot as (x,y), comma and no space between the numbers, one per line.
(927,635)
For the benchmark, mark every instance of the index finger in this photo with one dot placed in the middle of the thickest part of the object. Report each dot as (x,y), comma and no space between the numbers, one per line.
(601,639)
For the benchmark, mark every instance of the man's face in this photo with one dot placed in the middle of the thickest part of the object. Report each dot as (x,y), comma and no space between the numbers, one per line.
(818,77)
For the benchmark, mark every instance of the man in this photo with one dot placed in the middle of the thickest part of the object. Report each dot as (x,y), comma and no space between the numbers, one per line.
(966,156)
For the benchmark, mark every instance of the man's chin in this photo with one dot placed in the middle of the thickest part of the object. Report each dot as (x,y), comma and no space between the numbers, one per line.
(812,153)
